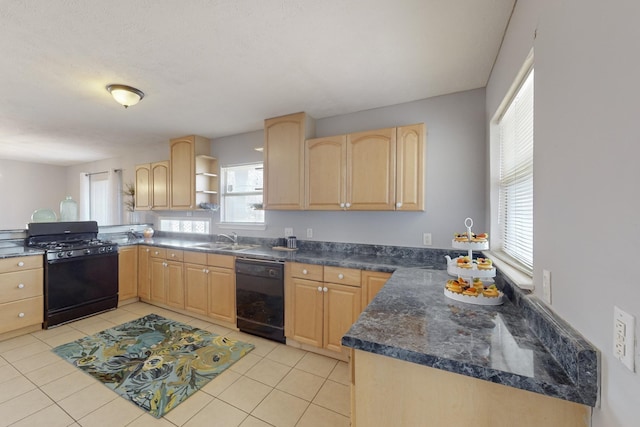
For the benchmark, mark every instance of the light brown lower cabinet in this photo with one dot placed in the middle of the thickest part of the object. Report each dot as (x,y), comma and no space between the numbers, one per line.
(21,296)
(144,273)
(167,277)
(321,311)
(372,282)
(210,287)
(127,273)
(392,392)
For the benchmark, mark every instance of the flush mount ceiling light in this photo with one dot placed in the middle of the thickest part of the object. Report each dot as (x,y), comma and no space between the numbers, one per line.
(125,95)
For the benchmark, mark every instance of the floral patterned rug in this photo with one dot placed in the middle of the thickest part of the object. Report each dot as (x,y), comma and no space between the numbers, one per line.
(154,362)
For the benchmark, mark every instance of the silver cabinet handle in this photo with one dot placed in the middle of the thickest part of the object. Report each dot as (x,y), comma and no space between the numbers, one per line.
(325,289)
(342,205)
(21,286)
(21,264)
(399,205)
(348,205)
(21,315)
(340,276)
(305,271)
(319,288)
(173,255)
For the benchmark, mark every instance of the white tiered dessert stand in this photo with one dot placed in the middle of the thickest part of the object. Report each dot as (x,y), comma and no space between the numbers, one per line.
(471,273)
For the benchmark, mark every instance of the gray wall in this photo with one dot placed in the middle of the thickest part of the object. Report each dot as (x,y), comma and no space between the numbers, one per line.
(25,187)
(455,170)
(586,169)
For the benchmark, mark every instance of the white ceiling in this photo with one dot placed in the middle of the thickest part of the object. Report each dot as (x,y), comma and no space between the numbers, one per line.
(220,67)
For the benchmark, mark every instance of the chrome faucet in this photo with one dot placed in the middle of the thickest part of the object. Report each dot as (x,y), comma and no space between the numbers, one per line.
(233,237)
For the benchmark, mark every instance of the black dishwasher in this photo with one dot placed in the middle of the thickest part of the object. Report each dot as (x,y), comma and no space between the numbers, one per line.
(260,298)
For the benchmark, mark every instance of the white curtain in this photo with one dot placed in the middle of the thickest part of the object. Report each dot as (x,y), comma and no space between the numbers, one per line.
(84,203)
(114,197)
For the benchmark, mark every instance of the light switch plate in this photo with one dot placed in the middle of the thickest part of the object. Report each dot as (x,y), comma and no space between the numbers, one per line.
(624,338)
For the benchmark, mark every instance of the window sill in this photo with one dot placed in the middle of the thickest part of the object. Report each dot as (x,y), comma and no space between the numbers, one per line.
(241,226)
(517,276)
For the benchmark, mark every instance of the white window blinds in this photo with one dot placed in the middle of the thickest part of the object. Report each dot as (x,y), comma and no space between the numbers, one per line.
(515,217)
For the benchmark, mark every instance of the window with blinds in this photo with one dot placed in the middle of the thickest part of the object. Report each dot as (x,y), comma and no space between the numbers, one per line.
(515,217)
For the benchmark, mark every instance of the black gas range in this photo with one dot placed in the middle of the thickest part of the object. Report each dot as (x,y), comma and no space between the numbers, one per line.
(81,272)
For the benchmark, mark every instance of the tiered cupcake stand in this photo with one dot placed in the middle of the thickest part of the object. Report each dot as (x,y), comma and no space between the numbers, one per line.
(469,274)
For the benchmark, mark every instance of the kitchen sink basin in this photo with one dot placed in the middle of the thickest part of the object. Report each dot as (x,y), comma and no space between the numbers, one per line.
(222,246)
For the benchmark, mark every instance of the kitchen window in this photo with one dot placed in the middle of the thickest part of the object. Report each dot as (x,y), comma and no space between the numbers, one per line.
(241,194)
(513,139)
(181,225)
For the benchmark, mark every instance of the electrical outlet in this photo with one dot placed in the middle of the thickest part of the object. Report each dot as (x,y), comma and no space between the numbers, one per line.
(546,286)
(288,231)
(426,239)
(624,337)
(309,233)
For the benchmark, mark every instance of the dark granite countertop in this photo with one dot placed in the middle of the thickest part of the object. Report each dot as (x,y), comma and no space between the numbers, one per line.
(517,344)
(17,250)
(411,319)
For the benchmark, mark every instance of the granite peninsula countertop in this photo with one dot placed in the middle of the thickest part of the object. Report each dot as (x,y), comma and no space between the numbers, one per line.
(411,319)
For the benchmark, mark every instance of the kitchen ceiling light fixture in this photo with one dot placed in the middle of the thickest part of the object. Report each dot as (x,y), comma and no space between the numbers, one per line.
(125,95)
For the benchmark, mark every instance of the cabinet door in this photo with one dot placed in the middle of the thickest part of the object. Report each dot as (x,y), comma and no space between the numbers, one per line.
(183,173)
(371,170)
(284,161)
(174,282)
(307,311)
(160,185)
(372,282)
(127,273)
(341,310)
(144,278)
(222,294)
(157,282)
(143,187)
(325,172)
(410,168)
(196,285)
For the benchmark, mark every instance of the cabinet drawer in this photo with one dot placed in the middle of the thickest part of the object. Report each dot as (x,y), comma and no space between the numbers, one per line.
(20,285)
(344,276)
(224,261)
(306,271)
(195,257)
(20,314)
(158,253)
(20,263)
(174,255)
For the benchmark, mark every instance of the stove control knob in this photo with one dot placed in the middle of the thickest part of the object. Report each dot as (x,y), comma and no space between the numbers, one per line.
(70,254)
(87,251)
(101,250)
(60,254)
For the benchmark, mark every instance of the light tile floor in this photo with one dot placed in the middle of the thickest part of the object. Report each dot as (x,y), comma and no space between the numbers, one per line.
(274,385)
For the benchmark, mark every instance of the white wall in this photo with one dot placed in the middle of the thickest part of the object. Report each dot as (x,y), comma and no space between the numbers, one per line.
(586,169)
(25,187)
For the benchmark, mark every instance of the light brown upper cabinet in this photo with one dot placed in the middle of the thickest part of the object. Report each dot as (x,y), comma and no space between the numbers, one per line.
(152,186)
(326,173)
(374,170)
(194,173)
(410,142)
(371,170)
(354,171)
(284,160)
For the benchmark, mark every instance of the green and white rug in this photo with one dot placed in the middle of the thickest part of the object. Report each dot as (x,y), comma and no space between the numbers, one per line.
(154,362)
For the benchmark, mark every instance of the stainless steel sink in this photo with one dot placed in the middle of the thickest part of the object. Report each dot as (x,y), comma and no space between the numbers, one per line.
(223,246)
